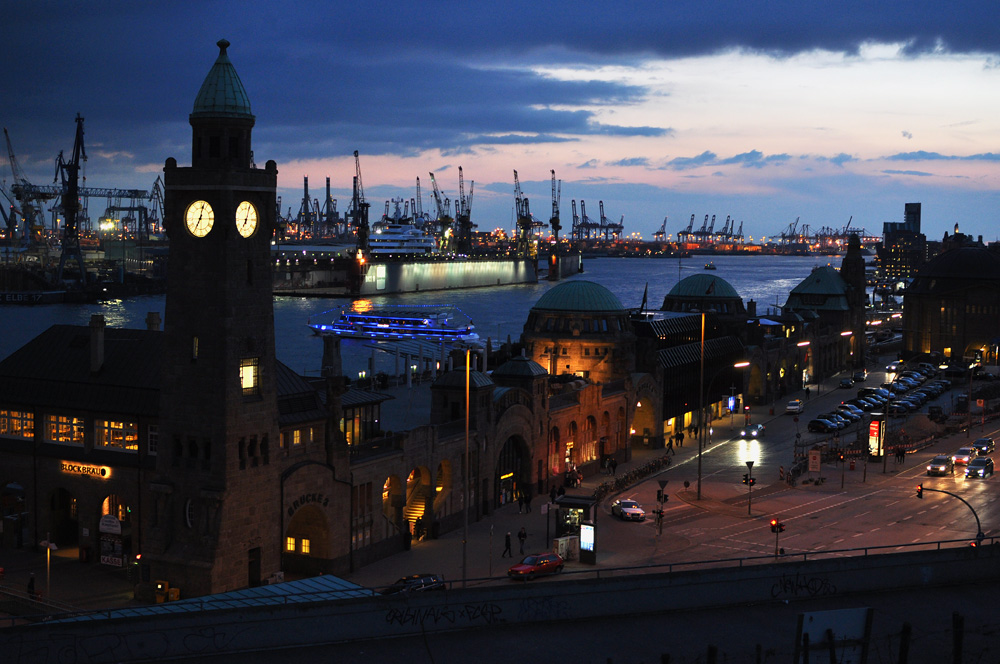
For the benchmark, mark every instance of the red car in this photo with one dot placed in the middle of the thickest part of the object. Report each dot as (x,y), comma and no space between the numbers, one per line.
(536,564)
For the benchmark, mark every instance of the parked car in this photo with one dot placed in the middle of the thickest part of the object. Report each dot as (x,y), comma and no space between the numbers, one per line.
(860,376)
(537,564)
(836,418)
(964,455)
(847,413)
(628,510)
(795,406)
(415,583)
(819,425)
(846,383)
(752,431)
(942,464)
(981,467)
(984,445)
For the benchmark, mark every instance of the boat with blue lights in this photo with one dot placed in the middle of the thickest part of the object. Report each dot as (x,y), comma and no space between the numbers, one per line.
(437,323)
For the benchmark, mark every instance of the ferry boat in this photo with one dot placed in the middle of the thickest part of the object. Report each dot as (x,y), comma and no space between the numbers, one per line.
(436,323)
(709,266)
(399,238)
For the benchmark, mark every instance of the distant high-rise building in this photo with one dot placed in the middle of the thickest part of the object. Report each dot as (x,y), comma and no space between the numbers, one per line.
(904,247)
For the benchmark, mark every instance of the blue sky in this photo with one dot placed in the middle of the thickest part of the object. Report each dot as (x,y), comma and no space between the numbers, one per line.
(765,112)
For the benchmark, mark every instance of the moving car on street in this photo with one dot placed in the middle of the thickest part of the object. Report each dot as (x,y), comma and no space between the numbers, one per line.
(941,465)
(795,406)
(981,468)
(537,564)
(984,445)
(627,510)
(964,455)
(752,431)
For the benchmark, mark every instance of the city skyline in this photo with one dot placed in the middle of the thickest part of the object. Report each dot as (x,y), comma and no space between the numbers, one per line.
(822,114)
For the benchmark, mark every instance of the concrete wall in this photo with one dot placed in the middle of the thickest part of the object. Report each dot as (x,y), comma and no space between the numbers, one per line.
(234,630)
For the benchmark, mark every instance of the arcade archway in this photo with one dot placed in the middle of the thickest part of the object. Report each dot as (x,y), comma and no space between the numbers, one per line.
(513,472)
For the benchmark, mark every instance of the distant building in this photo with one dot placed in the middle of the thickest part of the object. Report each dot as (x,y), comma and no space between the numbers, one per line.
(903,248)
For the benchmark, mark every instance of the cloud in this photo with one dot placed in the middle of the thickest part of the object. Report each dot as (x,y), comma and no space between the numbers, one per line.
(755,159)
(633,161)
(919,173)
(921,155)
(907,134)
(683,163)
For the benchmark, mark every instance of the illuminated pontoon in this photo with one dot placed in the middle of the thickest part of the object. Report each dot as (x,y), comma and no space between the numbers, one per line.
(430,322)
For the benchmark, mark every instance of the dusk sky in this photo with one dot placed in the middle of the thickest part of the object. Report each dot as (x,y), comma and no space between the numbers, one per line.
(765,111)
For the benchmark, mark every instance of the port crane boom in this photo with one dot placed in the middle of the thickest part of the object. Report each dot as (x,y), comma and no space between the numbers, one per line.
(556,195)
(524,221)
(70,173)
(359,209)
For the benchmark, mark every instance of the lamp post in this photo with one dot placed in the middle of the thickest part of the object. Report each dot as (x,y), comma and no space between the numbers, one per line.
(701,403)
(749,485)
(49,548)
(465,477)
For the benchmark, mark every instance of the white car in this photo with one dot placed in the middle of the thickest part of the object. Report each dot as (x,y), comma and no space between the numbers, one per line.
(628,510)
(795,406)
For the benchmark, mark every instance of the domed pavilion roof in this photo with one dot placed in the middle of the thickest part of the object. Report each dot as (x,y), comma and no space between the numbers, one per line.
(579,296)
(520,366)
(703,286)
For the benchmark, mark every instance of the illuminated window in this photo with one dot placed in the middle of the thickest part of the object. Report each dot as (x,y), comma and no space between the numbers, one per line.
(63,429)
(115,507)
(249,378)
(17,423)
(290,544)
(305,546)
(297,437)
(120,435)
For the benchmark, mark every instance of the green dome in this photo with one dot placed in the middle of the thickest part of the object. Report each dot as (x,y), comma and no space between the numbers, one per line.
(581,296)
(703,286)
(520,366)
(222,94)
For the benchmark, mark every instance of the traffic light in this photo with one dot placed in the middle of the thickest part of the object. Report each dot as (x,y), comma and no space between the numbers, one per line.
(746,478)
(781,527)
(920,491)
(659,495)
(774,525)
(753,480)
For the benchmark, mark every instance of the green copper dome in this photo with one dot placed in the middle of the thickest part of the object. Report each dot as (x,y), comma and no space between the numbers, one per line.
(582,296)
(703,286)
(222,94)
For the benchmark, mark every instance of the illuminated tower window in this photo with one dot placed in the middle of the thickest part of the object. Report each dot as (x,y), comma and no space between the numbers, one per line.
(249,376)
(290,544)
(305,546)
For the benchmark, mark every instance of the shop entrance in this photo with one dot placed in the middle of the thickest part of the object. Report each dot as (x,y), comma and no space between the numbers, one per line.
(513,472)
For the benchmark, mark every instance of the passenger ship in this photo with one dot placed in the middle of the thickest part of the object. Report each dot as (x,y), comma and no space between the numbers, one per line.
(390,322)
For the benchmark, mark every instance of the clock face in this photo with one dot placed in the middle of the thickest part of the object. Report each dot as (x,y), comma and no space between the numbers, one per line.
(199,218)
(246,219)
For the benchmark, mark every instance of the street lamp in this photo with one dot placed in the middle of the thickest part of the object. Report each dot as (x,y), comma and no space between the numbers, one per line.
(465,476)
(49,548)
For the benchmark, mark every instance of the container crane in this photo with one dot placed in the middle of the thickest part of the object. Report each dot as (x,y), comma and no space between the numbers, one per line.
(524,221)
(463,215)
(69,171)
(660,234)
(444,219)
(29,197)
(329,214)
(308,210)
(685,234)
(554,219)
(576,233)
(359,209)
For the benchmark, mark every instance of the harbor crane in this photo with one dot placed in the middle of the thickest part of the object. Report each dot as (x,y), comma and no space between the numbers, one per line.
(308,215)
(660,234)
(444,219)
(685,234)
(524,221)
(556,195)
(69,171)
(576,232)
(359,209)
(463,215)
(328,213)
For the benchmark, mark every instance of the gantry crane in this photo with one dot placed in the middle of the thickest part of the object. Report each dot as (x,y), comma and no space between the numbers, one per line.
(524,221)
(69,172)
(554,219)
(444,219)
(463,215)
(359,209)
(662,232)
(576,231)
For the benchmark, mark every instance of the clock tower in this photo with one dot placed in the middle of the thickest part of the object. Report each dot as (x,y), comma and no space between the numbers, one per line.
(216,491)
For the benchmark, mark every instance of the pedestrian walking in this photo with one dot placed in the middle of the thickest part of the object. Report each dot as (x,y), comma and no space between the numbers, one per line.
(680,439)
(552,493)
(506,546)
(614,466)
(670,445)
(31,586)
(520,502)
(527,502)
(521,536)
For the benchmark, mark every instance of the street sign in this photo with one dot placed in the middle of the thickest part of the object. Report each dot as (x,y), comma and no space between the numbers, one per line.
(814,461)
(663,484)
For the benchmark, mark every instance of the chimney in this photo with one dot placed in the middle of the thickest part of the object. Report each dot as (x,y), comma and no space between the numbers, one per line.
(96,343)
(153,321)
(751,309)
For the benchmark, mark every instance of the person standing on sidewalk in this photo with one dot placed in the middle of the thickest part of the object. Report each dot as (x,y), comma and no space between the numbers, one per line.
(506,547)
(522,535)
(31,586)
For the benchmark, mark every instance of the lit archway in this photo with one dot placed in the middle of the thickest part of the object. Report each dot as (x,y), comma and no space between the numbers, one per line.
(513,472)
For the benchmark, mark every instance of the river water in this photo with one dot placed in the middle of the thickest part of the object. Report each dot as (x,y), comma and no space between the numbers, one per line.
(498,312)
